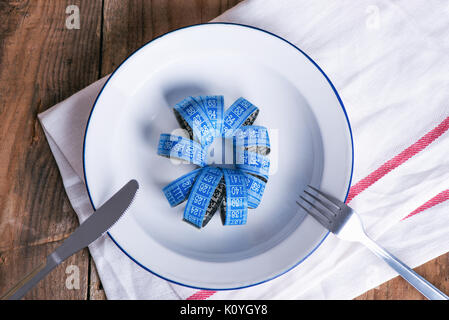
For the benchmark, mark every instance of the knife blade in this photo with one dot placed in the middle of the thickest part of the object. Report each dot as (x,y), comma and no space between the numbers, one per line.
(90,230)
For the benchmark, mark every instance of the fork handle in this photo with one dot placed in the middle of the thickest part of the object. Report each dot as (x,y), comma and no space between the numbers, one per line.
(421,284)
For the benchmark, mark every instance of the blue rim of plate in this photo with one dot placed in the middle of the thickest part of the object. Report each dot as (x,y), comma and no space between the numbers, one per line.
(205,24)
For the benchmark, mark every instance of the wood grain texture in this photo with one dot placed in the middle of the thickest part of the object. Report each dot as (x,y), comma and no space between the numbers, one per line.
(435,271)
(130,24)
(42,63)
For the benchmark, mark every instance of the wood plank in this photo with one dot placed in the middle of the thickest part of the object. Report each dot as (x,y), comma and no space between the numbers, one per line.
(435,271)
(41,63)
(130,24)
(20,261)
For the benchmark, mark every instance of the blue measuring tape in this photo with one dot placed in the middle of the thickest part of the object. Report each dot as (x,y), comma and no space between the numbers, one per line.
(209,188)
(197,119)
(181,148)
(254,189)
(178,191)
(235,209)
(253,138)
(237,114)
(252,162)
(201,195)
(213,106)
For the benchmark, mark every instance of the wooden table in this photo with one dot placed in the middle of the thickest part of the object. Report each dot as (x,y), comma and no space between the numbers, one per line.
(42,62)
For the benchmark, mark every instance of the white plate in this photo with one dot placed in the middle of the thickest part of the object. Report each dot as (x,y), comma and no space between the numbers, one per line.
(311,144)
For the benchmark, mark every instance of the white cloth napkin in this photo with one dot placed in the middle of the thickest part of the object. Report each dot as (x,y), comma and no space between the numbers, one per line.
(388,61)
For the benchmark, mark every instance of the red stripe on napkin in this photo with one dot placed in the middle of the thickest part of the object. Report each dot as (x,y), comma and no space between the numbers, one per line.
(402,157)
(201,295)
(373,177)
(441,197)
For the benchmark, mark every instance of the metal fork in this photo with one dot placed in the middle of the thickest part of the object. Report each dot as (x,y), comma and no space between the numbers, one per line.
(345,223)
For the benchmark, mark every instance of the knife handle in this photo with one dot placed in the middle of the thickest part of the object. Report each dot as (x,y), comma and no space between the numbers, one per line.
(30,280)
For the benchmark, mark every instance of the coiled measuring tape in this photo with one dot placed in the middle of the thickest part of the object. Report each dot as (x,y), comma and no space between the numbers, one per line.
(213,106)
(254,190)
(202,191)
(253,138)
(178,191)
(240,113)
(209,188)
(177,147)
(252,162)
(235,208)
(195,120)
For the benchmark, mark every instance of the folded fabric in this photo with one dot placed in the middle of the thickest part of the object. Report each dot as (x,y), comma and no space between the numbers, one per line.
(388,63)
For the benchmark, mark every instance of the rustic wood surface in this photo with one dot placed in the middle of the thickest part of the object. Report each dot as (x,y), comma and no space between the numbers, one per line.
(41,63)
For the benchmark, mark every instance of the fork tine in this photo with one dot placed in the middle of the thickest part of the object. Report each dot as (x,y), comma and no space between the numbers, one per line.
(328,197)
(324,222)
(323,212)
(323,203)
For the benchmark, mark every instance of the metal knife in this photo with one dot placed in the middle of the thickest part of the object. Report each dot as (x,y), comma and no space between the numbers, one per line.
(90,230)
